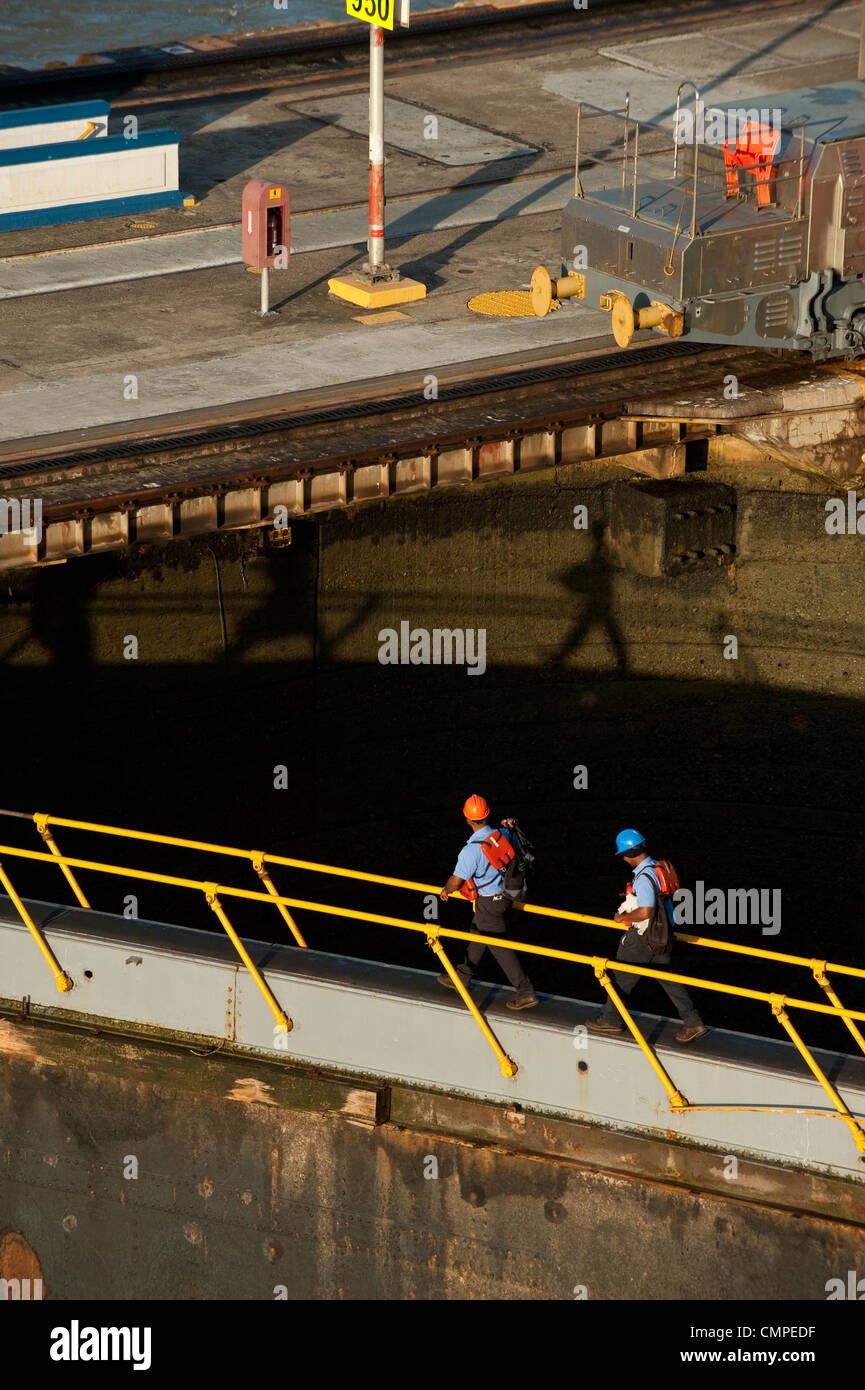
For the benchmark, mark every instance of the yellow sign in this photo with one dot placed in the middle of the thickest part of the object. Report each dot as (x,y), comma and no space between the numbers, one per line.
(380,12)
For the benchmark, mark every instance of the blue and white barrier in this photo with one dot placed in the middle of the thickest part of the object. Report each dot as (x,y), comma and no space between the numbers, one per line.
(53,125)
(59,164)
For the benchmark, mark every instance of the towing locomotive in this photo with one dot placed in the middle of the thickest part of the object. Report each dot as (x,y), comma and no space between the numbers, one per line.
(749,228)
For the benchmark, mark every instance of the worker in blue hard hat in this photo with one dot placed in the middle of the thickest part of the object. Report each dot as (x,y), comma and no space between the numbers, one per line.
(628,839)
(648,914)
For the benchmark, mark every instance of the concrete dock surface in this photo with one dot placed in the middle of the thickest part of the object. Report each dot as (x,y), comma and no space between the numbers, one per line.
(116,320)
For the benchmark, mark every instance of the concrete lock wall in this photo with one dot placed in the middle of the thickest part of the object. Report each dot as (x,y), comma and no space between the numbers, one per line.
(168,1175)
(509,558)
(248,658)
(230,658)
(505,556)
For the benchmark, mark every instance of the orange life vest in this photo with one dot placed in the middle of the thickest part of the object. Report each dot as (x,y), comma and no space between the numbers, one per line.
(499,853)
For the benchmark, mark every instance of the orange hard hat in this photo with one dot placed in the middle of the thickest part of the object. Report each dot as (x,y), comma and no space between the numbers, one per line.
(476,808)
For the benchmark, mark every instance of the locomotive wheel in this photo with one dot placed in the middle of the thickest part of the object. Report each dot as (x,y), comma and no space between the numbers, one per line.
(622,321)
(541,291)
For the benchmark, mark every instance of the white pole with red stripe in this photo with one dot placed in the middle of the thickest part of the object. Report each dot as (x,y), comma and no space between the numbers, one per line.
(376,284)
(376,266)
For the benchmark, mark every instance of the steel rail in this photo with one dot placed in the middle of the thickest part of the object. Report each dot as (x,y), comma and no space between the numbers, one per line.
(299,41)
(311,43)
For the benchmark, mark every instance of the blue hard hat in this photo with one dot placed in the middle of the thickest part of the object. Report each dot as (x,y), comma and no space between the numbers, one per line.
(628,839)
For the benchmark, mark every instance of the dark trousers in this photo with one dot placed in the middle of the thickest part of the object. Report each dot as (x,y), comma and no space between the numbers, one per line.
(633,949)
(492,917)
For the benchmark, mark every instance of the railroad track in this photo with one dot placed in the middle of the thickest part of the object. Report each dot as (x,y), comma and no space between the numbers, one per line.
(338,52)
(368,403)
(216,473)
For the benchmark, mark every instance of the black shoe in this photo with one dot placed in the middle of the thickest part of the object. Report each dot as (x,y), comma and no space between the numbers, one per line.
(688,1035)
(527,1002)
(600,1025)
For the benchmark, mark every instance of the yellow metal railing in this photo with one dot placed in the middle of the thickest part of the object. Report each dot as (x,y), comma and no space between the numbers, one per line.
(214,892)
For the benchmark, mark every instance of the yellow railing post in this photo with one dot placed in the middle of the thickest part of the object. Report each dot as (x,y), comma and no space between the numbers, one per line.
(677,1100)
(819,972)
(42,827)
(258,864)
(61,979)
(283,1021)
(509,1068)
(778,1002)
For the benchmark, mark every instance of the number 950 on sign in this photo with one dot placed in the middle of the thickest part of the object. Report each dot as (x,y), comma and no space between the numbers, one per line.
(380,12)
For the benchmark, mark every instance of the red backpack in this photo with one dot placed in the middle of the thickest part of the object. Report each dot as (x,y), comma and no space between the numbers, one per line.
(668,879)
(659,934)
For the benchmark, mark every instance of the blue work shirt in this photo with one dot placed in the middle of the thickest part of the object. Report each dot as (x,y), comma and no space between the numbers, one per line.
(473,863)
(645,895)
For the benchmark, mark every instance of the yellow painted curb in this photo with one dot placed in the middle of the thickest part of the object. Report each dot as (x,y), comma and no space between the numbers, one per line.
(370,320)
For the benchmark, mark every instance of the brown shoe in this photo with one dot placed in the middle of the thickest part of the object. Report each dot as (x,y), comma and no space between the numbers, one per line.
(686,1035)
(600,1025)
(527,1003)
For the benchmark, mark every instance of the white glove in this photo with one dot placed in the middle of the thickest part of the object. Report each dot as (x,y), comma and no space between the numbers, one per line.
(629,905)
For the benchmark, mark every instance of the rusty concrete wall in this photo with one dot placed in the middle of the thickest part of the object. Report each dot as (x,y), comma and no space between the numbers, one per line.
(507,556)
(139,1168)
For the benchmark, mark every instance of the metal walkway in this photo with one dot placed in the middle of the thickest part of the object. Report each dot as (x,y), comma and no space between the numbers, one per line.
(192,984)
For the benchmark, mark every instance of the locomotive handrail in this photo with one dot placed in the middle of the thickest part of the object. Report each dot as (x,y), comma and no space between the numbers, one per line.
(687,83)
(703,177)
(213,893)
(801,170)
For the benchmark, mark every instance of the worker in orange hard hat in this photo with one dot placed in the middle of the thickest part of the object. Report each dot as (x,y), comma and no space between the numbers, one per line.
(480,876)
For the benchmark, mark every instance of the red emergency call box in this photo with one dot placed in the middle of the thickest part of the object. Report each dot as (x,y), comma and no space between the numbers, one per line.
(265,224)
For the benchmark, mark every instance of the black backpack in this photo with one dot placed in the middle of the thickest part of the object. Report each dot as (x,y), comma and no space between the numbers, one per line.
(658,936)
(522,870)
